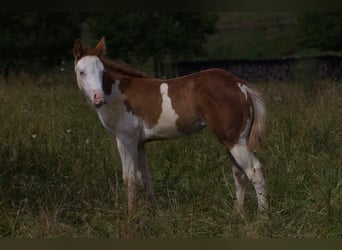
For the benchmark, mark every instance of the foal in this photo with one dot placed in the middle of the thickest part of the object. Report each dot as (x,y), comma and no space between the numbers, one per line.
(136,109)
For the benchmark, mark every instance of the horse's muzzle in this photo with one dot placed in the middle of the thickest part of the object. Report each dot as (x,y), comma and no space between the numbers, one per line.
(98,99)
(98,103)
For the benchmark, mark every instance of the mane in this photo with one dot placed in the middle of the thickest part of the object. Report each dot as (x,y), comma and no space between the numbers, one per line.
(121,68)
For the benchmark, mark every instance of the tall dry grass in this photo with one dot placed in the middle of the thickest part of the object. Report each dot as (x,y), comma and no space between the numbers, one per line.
(60,173)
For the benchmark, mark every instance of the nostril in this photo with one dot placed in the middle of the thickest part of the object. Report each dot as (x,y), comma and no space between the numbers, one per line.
(98,100)
(97,96)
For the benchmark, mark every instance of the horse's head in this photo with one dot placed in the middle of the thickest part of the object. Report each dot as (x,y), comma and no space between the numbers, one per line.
(89,71)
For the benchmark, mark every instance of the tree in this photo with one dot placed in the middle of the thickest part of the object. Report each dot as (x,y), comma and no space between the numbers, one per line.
(43,39)
(153,36)
(322,30)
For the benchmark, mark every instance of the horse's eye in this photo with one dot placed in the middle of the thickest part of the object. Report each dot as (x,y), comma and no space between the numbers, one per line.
(82,73)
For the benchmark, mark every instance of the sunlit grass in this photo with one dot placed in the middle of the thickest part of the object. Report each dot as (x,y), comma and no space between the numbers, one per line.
(60,173)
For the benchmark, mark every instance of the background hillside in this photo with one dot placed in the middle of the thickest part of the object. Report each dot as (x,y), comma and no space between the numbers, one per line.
(250,35)
(255,35)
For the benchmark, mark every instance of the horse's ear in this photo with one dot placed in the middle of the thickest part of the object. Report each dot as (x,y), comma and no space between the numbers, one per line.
(101,48)
(78,49)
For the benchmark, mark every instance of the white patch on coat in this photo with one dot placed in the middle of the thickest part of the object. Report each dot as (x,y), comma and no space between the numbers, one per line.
(114,115)
(240,151)
(109,113)
(243,89)
(243,157)
(166,126)
(244,135)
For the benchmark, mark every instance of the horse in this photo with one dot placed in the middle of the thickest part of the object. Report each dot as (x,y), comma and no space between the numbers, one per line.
(136,109)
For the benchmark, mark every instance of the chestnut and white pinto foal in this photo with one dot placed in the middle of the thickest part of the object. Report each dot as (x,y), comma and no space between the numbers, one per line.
(136,109)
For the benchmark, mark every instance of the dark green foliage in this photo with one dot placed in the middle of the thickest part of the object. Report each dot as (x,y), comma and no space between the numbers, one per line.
(144,36)
(34,39)
(37,40)
(322,30)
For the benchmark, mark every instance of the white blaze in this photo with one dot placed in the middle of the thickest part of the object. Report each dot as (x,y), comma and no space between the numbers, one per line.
(89,70)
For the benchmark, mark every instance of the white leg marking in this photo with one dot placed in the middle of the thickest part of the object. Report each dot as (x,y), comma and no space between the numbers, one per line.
(253,170)
(129,153)
(240,180)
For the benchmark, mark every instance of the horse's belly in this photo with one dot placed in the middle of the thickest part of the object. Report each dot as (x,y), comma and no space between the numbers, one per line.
(172,130)
(162,131)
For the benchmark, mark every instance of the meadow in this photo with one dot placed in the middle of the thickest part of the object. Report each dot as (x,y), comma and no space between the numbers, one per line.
(60,173)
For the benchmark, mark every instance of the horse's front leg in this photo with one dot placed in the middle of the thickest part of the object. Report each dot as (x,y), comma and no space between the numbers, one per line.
(128,149)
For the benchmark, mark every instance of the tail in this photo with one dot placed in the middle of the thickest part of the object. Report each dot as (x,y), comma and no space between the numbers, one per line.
(257,133)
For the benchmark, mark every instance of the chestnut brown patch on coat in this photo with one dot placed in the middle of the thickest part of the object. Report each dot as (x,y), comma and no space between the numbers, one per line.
(143,98)
(219,100)
(214,97)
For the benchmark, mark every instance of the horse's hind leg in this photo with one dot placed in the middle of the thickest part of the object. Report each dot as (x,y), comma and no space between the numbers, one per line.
(240,180)
(252,168)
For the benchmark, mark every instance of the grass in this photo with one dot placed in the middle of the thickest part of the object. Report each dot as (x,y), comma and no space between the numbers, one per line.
(60,173)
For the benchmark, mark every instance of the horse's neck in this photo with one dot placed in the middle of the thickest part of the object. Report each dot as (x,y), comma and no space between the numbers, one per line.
(121,69)
(116,94)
